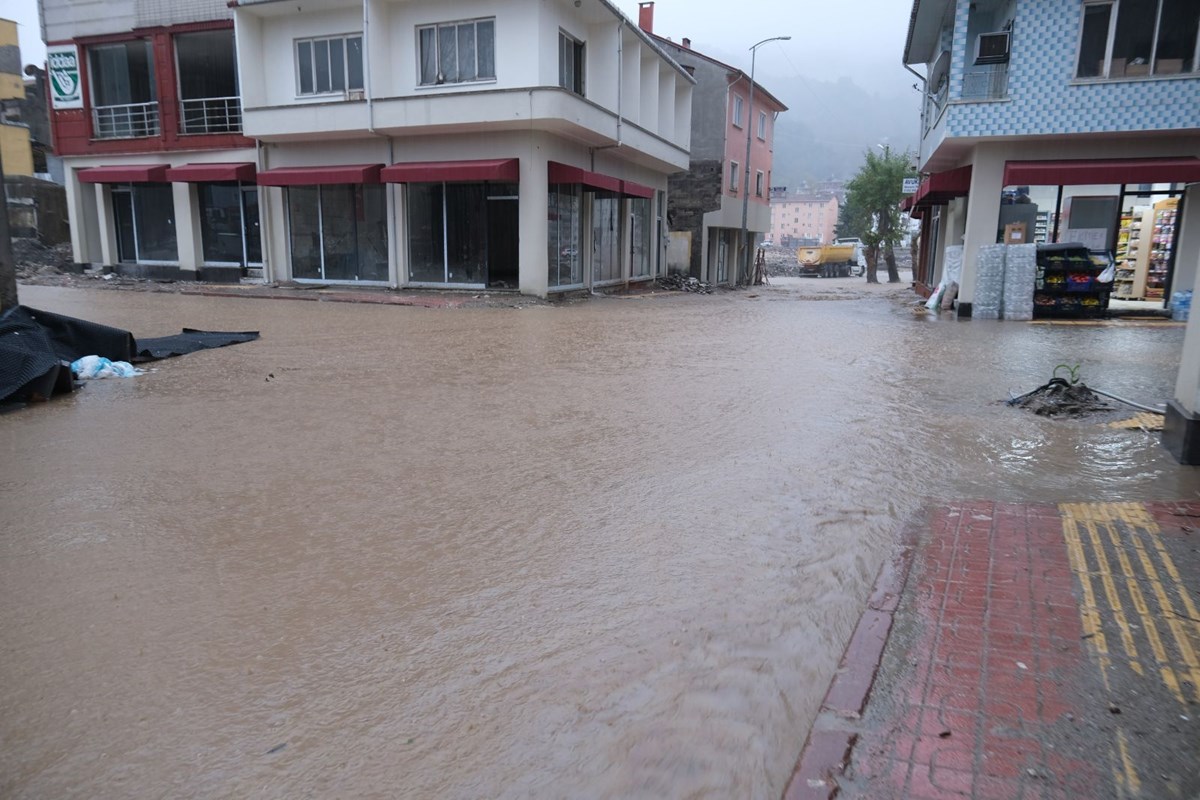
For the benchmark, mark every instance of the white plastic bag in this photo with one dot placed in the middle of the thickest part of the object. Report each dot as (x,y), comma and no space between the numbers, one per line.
(93,367)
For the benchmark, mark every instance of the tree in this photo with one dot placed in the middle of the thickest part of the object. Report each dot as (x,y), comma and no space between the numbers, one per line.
(872,209)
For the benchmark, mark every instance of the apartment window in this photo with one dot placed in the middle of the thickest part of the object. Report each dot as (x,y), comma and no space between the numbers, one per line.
(759,180)
(124,100)
(457,52)
(733,175)
(762,125)
(1137,38)
(329,66)
(570,63)
(206,64)
(737,111)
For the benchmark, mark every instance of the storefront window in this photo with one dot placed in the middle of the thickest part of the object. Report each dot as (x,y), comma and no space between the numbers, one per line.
(229,223)
(566,263)
(640,230)
(606,238)
(338,232)
(448,232)
(144,215)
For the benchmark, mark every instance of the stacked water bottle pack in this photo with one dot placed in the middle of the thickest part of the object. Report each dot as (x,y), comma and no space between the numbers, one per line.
(989,281)
(1020,274)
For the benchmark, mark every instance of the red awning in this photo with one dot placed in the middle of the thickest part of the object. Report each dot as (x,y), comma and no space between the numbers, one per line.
(636,189)
(320,176)
(506,170)
(940,188)
(206,173)
(562,173)
(1095,171)
(125,173)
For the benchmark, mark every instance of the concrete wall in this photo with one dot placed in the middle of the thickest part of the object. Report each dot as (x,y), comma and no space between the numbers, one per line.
(710,103)
(14,149)
(691,195)
(48,205)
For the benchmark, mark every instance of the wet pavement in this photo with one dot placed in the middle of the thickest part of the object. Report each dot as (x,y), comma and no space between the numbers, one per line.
(611,549)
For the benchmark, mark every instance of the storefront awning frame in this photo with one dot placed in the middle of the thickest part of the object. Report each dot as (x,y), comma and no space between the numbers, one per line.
(1081,172)
(125,173)
(320,176)
(243,171)
(494,170)
(940,188)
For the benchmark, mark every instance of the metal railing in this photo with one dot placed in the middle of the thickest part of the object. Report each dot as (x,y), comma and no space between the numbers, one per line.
(125,122)
(211,115)
(988,82)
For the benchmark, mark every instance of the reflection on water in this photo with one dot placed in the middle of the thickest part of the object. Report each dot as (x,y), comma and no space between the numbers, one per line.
(612,549)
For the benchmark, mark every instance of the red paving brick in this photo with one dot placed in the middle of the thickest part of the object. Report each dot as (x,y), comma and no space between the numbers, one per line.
(984,693)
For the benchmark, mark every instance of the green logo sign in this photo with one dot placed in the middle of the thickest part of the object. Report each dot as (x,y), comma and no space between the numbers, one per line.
(65,87)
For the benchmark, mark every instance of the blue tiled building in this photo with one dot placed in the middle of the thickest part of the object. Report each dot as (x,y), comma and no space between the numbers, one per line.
(1068,98)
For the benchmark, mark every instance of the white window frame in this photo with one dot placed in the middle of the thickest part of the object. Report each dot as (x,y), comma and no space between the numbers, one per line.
(342,39)
(735,174)
(760,180)
(737,111)
(437,41)
(1114,16)
(762,125)
(564,40)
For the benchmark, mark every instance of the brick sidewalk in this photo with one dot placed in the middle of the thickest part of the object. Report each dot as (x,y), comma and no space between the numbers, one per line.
(1029,651)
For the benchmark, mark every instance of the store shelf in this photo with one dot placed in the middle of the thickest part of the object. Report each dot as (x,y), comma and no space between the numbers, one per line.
(1066,283)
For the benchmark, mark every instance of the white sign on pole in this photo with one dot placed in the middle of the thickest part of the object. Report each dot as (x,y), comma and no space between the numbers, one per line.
(65,85)
(910,185)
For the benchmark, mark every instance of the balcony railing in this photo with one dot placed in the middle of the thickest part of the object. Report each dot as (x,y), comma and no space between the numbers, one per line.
(125,122)
(988,82)
(211,115)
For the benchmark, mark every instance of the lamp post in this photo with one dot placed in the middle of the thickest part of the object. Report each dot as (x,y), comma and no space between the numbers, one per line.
(746,265)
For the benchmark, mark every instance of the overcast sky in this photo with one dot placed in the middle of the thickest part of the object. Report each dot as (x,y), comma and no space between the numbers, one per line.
(858,39)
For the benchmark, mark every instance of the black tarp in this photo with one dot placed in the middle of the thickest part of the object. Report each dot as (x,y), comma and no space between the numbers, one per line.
(37,348)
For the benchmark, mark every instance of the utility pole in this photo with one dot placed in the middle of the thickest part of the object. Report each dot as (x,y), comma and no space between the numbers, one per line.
(8,268)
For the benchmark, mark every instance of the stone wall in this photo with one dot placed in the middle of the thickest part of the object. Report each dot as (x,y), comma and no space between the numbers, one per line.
(692,195)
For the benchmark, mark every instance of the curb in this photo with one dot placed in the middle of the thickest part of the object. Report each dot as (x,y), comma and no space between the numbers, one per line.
(829,745)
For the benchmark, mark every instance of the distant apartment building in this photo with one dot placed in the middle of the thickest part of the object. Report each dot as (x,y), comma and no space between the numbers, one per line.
(803,218)
(706,202)
(518,143)
(14,134)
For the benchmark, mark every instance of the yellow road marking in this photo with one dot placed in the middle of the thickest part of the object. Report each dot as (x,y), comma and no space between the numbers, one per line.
(1132,782)
(1114,597)
(1089,612)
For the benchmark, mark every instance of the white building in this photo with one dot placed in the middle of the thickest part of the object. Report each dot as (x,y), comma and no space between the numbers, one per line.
(524,143)
(512,143)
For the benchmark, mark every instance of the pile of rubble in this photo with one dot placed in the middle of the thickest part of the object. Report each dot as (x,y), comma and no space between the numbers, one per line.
(34,259)
(684,283)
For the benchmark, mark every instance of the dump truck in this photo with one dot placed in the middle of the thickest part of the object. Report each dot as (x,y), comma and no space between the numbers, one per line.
(841,259)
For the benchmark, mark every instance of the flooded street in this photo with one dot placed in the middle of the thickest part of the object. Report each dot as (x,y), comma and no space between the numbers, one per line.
(610,549)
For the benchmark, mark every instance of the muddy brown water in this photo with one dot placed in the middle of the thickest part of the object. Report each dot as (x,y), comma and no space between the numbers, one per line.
(612,549)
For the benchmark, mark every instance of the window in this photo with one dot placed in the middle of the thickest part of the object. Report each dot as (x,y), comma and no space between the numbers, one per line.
(1137,38)
(733,176)
(338,232)
(640,244)
(759,180)
(737,111)
(570,64)
(208,91)
(144,216)
(457,52)
(762,125)
(229,227)
(329,66)
(565,258)
(124,100)
(458,233)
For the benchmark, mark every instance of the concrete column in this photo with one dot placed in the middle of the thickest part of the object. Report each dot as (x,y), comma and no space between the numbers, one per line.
(82,212)
(104,223)
(1181,432)
(534,195)
(983,212)
(187,229)
(397,235)
(277,249)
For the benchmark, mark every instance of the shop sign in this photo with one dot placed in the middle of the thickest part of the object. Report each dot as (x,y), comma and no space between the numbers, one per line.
(910,185)
(65,85)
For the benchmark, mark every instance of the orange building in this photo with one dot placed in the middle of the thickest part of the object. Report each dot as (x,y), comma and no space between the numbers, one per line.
(809,217)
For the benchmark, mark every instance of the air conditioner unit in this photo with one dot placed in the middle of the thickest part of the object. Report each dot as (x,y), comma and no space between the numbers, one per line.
(355,94)
(992,48)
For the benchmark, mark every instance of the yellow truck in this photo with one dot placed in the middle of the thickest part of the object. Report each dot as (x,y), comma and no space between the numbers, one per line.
(841,259)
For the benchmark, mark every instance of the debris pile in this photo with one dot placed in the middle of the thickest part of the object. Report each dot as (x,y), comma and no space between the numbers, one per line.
(1059,398)
(34,259)
(685,283)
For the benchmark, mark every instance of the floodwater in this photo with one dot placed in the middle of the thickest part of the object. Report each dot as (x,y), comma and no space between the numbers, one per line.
(611,549)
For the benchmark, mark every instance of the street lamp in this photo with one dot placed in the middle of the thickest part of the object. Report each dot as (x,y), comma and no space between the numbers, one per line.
(746,265)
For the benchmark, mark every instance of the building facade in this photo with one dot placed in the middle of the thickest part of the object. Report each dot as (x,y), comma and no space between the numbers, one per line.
(1078,120)
(706,202)
(518,144)
(15,147)
(803,219)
